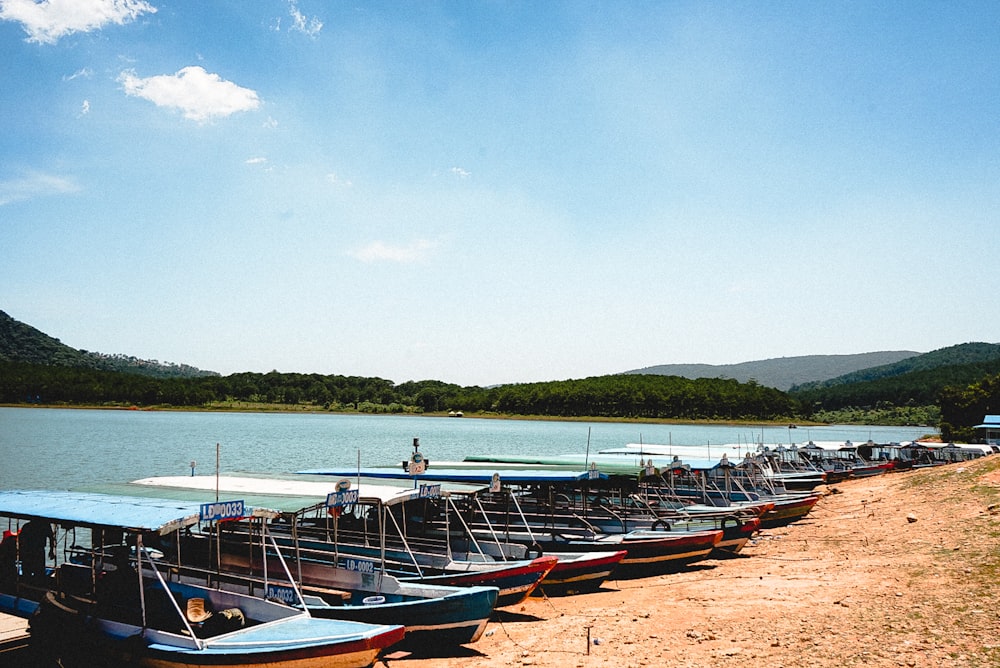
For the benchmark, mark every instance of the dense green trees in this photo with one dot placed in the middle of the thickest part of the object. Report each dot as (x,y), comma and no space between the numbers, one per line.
(647,396)
(630,396)
(959,384)
(964,407)
(918,388)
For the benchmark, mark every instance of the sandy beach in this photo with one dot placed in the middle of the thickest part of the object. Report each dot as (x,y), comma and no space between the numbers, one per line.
(898,570)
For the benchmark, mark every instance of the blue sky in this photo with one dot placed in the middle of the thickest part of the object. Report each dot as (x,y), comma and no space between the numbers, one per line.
(494,192)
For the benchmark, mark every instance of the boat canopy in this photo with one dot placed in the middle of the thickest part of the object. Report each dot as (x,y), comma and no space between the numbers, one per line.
(625,464)
(684,451)
(989,422)
(105,510)
(147,488)
(286,494)
(470,476)
(833,445)
(631,464)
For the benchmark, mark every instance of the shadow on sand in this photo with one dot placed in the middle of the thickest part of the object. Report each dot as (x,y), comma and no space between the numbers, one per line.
(451,652)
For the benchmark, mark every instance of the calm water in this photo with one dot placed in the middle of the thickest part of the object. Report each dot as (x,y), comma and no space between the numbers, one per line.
(55,448)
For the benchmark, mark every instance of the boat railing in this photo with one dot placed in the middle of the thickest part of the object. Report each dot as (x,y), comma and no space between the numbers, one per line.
(417,544)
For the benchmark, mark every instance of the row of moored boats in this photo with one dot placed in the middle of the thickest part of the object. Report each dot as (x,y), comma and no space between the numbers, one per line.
(336,566)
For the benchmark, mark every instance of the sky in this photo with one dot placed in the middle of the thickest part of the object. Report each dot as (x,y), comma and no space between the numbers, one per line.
(497,192)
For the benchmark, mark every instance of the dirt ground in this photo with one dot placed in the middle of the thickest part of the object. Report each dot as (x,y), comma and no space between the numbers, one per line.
(898,570)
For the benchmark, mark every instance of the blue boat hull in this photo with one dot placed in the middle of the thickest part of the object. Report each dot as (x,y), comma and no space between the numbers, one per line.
(454,619)
(63,632)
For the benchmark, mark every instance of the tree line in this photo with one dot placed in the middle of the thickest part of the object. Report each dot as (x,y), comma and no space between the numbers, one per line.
(918,388)
(964,407)
(946,393)
(627,396)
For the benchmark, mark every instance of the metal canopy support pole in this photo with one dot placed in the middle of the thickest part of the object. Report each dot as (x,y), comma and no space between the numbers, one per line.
(525,520)
(467,529)
(138,571)
(198,641)
(489,525)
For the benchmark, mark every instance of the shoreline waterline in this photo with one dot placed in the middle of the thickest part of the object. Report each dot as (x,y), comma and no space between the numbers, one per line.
(265,409)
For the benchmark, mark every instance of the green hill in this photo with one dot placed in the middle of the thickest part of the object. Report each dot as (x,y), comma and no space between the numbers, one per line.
(24,344)
(914,382)
(958,355)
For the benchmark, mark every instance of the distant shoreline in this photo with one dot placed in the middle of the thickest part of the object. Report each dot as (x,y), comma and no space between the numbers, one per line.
(312,410)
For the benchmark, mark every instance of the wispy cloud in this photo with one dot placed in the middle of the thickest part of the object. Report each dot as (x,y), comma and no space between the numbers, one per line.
(460,173)
(47,21)
(256,161)
(85,73)
(200,95)
(310,27)
(379,251)
(84,108)
(339,181)
(35,184)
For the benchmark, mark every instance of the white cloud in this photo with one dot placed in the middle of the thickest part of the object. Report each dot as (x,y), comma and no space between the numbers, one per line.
(460,173)
(310,27)
(378,251)
(337,181)
(35,184)
(200,95)
(47,21)
(85,108)
(256,161)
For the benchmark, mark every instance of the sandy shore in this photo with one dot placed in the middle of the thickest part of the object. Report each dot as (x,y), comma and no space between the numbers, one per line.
(899,570)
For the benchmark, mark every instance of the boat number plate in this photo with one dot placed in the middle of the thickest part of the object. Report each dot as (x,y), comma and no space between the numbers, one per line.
(338,499)
(221,510)
(359,565)
(284,594)
(430,491)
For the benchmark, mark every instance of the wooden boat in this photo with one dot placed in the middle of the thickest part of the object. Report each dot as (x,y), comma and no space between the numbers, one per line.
(727,485)
(359,538)
(89,606)
(572,573)
(436,614)
(842,459)
(783,467)
(690,480)
(580,572)
(612,510)
(646,553)
(737,526)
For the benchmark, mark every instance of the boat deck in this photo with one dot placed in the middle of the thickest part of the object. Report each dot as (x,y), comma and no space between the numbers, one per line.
(13,633)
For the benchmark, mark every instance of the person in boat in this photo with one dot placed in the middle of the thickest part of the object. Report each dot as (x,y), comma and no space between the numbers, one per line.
(118,587)
(31,542)
(8,561)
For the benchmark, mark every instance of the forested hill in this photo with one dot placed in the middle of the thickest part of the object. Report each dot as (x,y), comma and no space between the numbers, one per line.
(23,343)
(958,355)
(783,372)
(916,382)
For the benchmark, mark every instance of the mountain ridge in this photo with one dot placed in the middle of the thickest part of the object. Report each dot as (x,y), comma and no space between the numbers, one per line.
(23,343)
(20,342)
(783,373)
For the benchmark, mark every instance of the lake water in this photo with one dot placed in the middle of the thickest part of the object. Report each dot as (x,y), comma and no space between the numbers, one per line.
(63,448)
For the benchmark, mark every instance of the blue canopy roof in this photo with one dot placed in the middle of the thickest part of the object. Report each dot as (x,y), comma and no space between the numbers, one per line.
(989,422)
(89,509)
(483,476)
(132,513)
